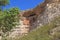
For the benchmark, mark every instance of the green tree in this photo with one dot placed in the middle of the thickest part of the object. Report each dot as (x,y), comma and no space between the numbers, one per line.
(9,19)
(3,3)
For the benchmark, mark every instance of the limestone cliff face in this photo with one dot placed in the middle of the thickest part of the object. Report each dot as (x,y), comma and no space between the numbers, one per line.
(52,10)
(38,16)
(43,13)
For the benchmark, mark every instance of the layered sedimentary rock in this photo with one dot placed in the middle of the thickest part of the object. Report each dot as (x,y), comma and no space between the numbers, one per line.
(38,16)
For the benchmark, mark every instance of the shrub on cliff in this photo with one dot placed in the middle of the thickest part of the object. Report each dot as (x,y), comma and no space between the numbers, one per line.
(8,19)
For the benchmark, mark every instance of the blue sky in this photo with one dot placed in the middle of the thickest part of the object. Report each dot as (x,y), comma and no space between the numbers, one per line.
(23,4)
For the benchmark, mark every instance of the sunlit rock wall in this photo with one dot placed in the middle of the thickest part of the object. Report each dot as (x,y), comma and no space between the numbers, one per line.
(38,16)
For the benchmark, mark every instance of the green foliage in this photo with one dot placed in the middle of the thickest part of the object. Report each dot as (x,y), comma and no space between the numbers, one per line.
(4,2)
(9,19)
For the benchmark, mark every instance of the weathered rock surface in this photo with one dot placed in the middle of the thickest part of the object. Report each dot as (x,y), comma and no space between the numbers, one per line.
(41,15)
